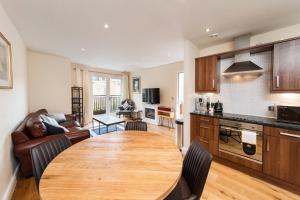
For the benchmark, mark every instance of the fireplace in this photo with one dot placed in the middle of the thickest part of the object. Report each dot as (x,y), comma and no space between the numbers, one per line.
(150,113)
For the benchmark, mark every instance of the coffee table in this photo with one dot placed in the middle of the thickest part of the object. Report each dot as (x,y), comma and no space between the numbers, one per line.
(107,120)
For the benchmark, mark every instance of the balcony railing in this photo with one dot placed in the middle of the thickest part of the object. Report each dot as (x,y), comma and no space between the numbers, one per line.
(100,104)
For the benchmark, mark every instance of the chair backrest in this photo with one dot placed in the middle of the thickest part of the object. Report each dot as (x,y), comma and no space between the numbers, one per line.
(196,166)
(43,154)
(136,126)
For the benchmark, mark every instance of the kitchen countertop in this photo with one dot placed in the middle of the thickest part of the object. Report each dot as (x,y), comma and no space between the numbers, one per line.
(250,119)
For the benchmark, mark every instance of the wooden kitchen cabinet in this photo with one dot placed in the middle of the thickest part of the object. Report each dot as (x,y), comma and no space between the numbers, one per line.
(286,67)
(281,157)
(205,130)
(207,74)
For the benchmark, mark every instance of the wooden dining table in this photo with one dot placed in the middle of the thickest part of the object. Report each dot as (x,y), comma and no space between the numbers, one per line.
(119,165)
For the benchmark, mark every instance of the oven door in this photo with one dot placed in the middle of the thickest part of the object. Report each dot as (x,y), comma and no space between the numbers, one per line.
(230,141)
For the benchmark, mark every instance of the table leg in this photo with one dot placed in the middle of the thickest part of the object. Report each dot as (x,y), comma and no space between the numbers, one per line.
(93,124)
(99,128)
(106,129)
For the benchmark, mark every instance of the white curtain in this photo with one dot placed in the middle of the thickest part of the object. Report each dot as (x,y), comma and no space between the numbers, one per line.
(87,97)
(125,82)
(78,77)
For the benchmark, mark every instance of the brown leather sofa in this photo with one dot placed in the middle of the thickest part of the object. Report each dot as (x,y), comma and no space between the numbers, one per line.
(32,132)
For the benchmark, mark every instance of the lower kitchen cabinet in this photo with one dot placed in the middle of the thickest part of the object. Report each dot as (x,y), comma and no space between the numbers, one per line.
(205,130)
(281,156)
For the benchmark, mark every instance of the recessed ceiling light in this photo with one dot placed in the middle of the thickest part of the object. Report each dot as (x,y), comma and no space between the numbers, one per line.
(207,30)
(82,49)
(106,26)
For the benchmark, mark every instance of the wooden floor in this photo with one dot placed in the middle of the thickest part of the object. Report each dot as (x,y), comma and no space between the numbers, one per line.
(223,183)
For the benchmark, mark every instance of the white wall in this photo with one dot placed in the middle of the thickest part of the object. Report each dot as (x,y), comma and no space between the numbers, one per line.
(190,53)
(49,82)
(163,77)
(13,105)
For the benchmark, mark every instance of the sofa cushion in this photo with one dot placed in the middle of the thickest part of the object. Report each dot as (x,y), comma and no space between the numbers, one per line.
(35,126)
(52,126)
(59,117)
(125,105)
(55,129)
(69,124)
(19,137)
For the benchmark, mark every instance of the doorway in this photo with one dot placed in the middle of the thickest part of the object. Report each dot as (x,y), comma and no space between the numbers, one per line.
(180,94)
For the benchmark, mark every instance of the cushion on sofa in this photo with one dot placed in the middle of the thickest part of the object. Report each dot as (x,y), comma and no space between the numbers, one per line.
(68,124)
(52,126)
(55,129)
(35,126)
(125,105)
(59,117)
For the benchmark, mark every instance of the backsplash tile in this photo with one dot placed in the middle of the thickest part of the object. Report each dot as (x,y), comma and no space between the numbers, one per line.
(248,95)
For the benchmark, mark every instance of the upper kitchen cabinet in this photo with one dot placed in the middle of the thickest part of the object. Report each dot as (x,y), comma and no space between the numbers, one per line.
(286,67)
(207,74)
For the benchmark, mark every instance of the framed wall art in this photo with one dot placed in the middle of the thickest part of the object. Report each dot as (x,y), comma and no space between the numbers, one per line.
(6,77)
(136,84)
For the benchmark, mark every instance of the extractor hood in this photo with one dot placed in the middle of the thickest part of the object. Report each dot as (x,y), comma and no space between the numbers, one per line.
(243,65)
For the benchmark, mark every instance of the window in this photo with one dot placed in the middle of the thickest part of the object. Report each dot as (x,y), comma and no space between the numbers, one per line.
(115,87)
(99,86)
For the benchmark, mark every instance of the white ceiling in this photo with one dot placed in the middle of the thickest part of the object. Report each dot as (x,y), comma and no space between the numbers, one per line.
(142,33)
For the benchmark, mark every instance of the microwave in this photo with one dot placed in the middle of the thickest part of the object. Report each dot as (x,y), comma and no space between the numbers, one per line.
(289,114)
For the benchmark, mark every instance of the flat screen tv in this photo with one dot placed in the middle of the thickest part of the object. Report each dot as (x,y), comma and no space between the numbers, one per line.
(151,95)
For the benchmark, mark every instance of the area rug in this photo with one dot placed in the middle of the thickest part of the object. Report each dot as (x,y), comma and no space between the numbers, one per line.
(103,129)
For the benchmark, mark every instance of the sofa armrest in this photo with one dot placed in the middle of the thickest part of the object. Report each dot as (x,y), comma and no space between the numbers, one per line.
(19,137)
(70,117)
(77,134)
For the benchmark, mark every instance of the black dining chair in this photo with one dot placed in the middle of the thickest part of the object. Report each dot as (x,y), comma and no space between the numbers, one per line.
(136,126)
(196,165)
(43,154)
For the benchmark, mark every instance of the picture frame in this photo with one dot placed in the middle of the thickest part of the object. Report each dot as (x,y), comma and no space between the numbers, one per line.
(136,85)
(6,76)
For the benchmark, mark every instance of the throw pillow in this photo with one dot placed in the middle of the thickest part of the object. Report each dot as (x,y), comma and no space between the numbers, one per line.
(121,107)
(125,105)
(59,117)
(129,107)
(52,126)
(51,129)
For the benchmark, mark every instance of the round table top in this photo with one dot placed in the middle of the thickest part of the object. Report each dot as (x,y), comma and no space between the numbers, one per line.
(119,165)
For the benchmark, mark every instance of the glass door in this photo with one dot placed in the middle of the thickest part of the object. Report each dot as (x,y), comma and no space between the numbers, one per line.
(107,94)
(115,94)
(99,95)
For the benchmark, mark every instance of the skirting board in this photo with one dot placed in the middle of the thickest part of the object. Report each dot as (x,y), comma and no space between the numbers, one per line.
(184,150)
(11,185)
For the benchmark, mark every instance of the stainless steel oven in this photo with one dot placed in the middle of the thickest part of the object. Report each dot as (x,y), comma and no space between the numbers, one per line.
(241,139)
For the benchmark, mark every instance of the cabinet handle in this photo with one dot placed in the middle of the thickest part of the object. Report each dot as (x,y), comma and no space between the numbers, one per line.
(290,135)
(277,81)
(205,127)
(268,145)
(213,83)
